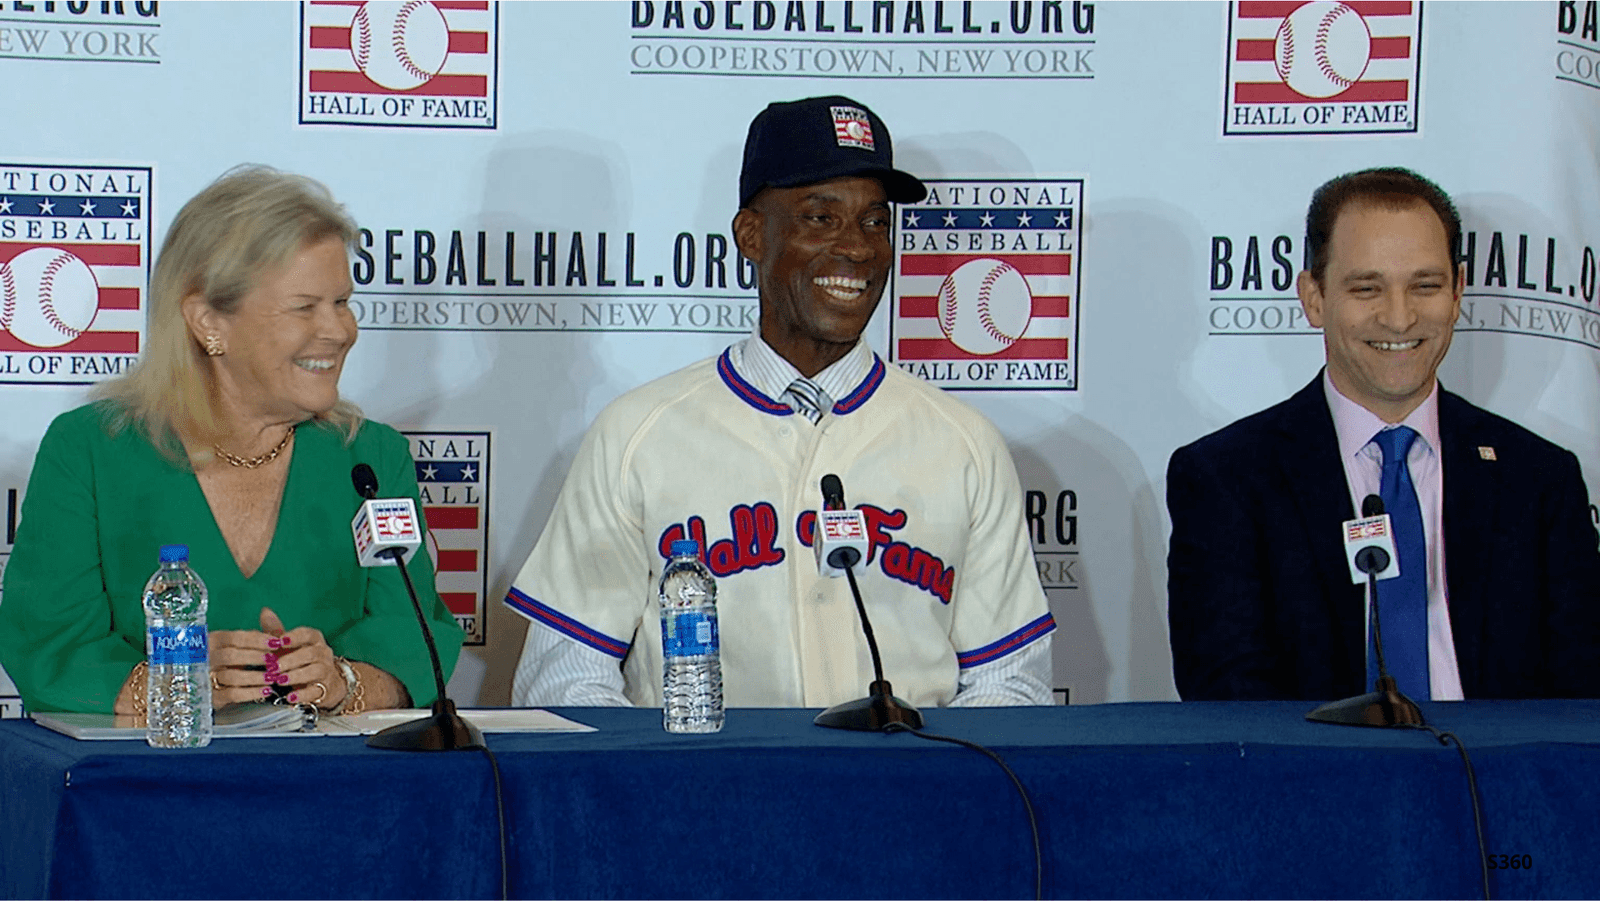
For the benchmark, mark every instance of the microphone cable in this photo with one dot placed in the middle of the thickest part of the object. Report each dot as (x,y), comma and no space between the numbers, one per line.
(1472,786)
(500,812)
(1027,803)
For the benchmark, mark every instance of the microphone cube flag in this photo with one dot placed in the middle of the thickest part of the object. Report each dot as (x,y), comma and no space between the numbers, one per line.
(840,531)
(1371,531)
(382,524)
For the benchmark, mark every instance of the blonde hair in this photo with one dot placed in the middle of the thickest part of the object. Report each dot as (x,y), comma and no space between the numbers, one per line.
(248,222)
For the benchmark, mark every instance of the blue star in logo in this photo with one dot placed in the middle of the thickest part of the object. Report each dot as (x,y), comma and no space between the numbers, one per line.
(1024,220)
(911,220)
(87,207)
(986,220)
(429,473)
(47,206)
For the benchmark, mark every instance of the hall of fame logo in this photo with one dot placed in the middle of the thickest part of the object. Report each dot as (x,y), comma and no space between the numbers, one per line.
(1322,67)
(453,480)
(420,63)
(987,283)
(74,261)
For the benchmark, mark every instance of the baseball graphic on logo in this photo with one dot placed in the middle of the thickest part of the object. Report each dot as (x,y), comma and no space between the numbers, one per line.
(984,306)
(1322,49)
(47,297)
(400,46)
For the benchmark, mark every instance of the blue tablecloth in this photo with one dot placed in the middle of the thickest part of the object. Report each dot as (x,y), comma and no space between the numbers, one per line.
(1133,800)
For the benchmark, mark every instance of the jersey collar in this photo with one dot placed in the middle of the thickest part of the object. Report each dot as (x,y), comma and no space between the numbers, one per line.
(757,375)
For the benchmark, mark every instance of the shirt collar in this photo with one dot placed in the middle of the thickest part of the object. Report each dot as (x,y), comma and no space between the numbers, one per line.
(1356,425)
(768,372)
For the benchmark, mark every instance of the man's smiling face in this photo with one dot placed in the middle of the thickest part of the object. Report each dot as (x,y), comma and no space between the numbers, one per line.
(822,255)
(1387,304)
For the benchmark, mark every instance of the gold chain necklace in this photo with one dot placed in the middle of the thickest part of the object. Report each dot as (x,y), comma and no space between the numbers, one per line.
(254,462)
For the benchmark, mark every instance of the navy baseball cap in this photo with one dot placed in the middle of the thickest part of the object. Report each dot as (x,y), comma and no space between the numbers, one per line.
(813,140)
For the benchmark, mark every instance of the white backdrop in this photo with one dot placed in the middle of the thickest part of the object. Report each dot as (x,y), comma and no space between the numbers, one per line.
(546,190)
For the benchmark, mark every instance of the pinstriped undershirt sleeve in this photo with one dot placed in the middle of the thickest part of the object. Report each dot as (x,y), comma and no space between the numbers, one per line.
(557,670)
(1020,677)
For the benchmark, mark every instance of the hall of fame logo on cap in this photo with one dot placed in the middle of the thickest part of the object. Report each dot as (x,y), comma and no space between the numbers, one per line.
(74,262)
(1322,67)
(420,63)
(987,283)
(453,480)
(852,128)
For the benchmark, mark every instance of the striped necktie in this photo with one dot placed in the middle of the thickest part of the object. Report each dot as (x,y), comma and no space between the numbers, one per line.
(1403,600)
(805,398)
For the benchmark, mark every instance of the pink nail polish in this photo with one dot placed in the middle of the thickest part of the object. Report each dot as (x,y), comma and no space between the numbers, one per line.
(269,659)
(294,698)
(285,641)
(281,679)
(266,692)
(274,643)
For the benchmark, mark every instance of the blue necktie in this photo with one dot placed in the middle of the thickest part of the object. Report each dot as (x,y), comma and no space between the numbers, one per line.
(1403,600)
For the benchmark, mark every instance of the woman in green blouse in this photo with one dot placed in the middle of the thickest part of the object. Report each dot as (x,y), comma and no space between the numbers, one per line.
(229,437)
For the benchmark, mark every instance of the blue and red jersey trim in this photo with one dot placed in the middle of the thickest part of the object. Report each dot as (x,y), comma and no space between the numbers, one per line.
(856,398)
(566,625)
(746,391)
(1016,641)
(753,396)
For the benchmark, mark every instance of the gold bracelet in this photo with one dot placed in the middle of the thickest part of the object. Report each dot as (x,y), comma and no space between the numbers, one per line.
(139,679)
(355,694)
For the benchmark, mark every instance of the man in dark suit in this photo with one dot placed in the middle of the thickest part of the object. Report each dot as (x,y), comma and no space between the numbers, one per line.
(1491,521)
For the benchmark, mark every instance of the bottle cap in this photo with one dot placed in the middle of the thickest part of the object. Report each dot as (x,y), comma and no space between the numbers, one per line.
(174,553)
(686,547)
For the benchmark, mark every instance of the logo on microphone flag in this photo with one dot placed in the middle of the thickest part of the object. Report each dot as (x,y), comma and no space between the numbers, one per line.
(986,288)
(1323,67)
(453,480)
(74,262)
(1365,529)
(420,63)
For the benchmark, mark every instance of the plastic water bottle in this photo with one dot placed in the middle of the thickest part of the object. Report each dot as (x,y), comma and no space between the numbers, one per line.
(691,696)
(179,692)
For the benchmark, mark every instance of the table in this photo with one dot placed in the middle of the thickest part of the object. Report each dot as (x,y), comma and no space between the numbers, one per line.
(1133,800)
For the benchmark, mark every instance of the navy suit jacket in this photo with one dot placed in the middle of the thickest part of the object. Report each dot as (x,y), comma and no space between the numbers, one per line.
(1260,600)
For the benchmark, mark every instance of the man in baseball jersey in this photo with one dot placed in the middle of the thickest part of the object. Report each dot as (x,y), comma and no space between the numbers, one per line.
(730,452)
(1498,591)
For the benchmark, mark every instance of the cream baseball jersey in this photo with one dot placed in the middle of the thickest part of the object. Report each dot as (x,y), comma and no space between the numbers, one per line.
(948,580)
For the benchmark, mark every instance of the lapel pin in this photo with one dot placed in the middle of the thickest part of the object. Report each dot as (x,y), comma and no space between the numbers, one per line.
(1486,453)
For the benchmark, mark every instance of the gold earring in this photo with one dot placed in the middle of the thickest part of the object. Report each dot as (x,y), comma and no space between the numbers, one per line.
(213,346)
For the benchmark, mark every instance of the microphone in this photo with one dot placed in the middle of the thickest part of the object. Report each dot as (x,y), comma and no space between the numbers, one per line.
(1369,543)
(1369,547)
(841,540)
(880,707)
(385,530)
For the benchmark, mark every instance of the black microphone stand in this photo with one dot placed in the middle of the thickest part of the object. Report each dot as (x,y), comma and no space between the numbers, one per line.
(1385,705)
(880,707)
(444,729)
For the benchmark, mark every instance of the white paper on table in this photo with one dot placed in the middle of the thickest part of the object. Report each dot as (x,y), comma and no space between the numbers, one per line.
(239,721)
(269,721)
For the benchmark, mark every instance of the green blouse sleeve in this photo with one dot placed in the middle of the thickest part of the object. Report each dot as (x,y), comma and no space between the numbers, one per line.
(56,637)
(387,636)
